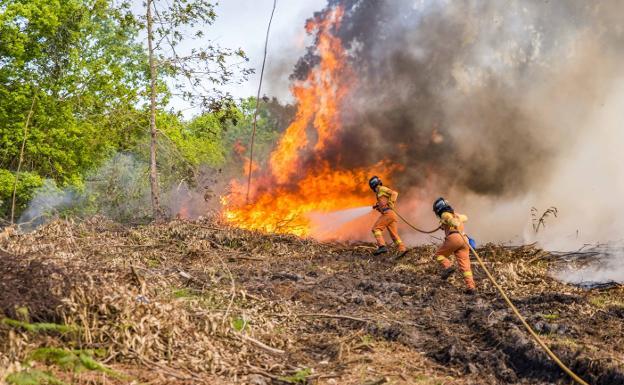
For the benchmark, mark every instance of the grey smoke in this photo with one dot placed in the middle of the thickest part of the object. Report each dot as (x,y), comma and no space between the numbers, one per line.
(119,189)
(47,201)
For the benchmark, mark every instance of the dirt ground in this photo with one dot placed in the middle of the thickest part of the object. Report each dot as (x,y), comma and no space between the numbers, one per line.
(196,302)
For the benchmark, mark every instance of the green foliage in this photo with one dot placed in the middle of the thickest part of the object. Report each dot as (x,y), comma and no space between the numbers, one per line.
(183,293)
(27,183)
(71,360)
(80,66)
(33,377)
(239,324)
(273,119)
(39,327)
(118,189)
(184,146)
(300,376)
(78,60)
(196,74)
(550,317)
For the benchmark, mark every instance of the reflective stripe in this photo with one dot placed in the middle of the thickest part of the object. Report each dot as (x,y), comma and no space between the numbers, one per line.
(468,274)
(383,192)
(377,232)
(398,241)
(440,258)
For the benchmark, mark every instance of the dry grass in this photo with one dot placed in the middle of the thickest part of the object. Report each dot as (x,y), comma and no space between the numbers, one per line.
(158,296)
(203,303)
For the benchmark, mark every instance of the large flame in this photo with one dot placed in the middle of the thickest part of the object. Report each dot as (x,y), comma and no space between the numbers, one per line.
(299,181)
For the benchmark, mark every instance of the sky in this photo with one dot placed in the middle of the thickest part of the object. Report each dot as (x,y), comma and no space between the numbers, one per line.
(243,23)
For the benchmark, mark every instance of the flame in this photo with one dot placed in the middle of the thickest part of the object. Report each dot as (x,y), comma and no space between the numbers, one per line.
(318,98)
(299,181)
(239,150)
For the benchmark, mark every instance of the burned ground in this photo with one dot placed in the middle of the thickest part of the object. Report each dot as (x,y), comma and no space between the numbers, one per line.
(200,303)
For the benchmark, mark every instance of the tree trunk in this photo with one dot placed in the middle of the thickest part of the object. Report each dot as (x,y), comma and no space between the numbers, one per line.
(21,157)
(158,216)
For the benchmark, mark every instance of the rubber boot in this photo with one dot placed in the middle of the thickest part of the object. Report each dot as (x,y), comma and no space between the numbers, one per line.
(470,291)
(380,250)
(401,251)
(446,273)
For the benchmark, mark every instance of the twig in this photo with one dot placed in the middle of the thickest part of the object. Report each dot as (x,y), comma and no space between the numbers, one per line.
(262,345)
(140,281)
(255,119)
(256,370)
(232,259)
(378,381)
(336,316)
(166,369)
(227,311)
(205,227)
(127,245)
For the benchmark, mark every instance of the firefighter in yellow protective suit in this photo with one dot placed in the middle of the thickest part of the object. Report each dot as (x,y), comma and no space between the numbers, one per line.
(386,199)
(455,242)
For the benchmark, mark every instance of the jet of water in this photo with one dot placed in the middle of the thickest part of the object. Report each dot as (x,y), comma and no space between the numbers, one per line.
(326,224)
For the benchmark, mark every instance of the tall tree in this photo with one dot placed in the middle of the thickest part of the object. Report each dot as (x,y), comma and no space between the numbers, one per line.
(81,61)
(155,189)
(196,73)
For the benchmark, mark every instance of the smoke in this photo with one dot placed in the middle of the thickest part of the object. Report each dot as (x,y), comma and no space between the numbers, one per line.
(498,106)
(47,200)
(119,189)
(605,266)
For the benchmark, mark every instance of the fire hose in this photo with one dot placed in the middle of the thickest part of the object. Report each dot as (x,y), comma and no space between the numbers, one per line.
(515,310)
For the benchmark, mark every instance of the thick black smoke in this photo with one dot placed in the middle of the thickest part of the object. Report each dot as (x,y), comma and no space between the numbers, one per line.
(456,89)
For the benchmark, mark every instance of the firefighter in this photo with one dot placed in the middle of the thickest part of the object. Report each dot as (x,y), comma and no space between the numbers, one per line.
(455,242)
(386,199)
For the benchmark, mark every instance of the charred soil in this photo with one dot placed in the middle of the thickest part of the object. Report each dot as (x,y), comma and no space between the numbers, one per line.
(196,302)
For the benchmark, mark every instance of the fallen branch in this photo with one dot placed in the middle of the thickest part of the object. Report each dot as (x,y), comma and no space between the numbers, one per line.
(234,259)
(169,371)
(336,316)
(378,381)
(262,345)
(256,370)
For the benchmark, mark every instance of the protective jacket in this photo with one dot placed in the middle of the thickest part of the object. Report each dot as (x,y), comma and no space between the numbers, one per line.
(455,243)
(386,198)
(453,223)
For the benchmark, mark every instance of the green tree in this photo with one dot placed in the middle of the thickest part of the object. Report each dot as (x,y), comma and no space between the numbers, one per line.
(196,74)
(273,118)
(79,59)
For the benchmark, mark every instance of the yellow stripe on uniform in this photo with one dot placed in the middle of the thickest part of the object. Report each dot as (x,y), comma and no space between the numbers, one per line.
(440,258)
(468,274)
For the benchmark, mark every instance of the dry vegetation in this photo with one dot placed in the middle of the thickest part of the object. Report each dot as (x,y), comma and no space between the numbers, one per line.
(99,303)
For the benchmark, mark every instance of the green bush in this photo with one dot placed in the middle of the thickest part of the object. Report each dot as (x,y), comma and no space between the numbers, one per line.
(27,183)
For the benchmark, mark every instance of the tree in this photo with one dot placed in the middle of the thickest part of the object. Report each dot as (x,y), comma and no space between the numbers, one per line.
(157,212)
(79,59)
(273,118)
(196,73)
